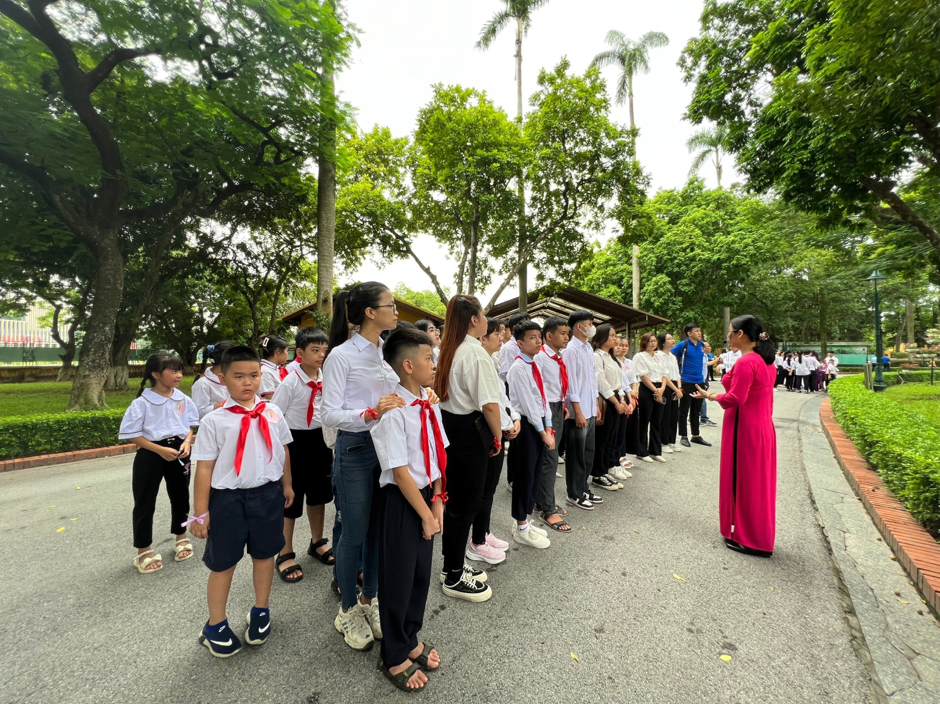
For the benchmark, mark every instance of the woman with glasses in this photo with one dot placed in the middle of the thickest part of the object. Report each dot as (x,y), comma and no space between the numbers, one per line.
(434,333)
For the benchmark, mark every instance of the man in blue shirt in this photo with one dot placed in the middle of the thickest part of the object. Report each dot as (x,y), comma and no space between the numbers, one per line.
(692,363)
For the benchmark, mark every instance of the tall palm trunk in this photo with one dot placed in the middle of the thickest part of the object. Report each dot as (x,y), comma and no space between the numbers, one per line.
(524,268)
(326,193)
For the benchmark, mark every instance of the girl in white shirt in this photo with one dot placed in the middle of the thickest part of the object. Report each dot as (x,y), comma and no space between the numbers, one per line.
(160,422)
(652,375)
(609,381)
(801,372)
(208,391)
(430,328)
(669,429)
(273,350)
(628,442)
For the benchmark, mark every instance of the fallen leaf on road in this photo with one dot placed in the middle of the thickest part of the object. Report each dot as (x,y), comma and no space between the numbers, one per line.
(904,602)
(773,589)
(59,530)
(726,658)
(53,506)
(636,531)
(678,577)
(583,527)
(575,657)
(78,488)
(73,519)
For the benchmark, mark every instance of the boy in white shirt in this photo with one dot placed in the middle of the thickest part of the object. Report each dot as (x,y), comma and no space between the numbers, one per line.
(410,445)
(527,396)
(241,488)
(555,379)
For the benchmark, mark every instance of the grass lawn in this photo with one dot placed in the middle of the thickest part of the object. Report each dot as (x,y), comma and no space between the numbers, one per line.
(922,398)
(53,397)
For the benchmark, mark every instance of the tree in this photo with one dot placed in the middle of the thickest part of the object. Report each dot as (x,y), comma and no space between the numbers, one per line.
(830,104)
(429,300)
(519,11)
(710,143)
(112,144)
(631,57)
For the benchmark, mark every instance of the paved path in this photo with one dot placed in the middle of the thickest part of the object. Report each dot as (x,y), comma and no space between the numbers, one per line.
(85,627)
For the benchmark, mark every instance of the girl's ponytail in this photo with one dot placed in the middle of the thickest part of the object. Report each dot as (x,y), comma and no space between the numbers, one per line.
(157,363)
(143,382)
(271,345)
(339,326)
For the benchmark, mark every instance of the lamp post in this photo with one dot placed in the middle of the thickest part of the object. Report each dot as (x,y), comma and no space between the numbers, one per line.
(879,382)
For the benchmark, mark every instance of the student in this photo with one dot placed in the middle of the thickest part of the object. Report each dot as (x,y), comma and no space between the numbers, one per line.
(609,377)
(273,351)
(300,399)
(468,387)
(652,377)
(484,546)
(778,365)
(729,357)
(527,395)
(628,443)
(692,363)
(208,390)
(241,489)
(428,326)
(812,364)
(358,389)
(410,445)
(800,372)
(672,395)
(160,422)
(555,380)
(507,355)
(581,404)
(710,361)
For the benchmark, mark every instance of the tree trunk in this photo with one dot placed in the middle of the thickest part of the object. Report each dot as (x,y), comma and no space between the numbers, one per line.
(92,373)
(909,316)
(718,171)
(823,325)
(474,243)
(118,373)
(524,269)
(630,99)
(65,371)
(635,267)
(726,321)
(326,196)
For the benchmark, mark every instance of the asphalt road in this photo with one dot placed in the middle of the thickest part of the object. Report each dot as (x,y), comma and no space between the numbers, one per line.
(638,604)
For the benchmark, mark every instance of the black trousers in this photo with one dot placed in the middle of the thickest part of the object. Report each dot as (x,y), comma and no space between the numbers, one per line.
(688,404)
(670,418)
(790,380)
(651,415)
(619,440)
(530,446)
(149,470)
(604,436)
(404,574)
(579,459)
(466,478)
(632,433)
(481,524)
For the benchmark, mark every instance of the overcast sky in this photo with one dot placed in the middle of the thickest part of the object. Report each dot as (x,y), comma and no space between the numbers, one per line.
(409,45)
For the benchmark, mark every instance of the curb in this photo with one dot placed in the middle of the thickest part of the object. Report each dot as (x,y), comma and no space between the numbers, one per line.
(914,547)
(63,457)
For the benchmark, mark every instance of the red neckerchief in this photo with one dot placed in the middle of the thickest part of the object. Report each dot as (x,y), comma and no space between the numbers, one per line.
(438,442)
(247,417)
(315,387)
(562,371)
(283,372)
(537,375)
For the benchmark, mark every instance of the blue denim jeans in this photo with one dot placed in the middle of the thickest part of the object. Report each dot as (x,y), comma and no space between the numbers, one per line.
(704,413)
(355,483)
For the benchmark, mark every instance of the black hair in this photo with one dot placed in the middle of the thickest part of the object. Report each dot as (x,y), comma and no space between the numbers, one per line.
(515,319)
(350,307)
(271,345)
(754,331)
(601,335)
(238,353)
(406,324)
(689,327)
(310,336)
(492,325)
(520,329)
(214,354)
(661,339)
(552,324)
(158,363)
(424,324)
(403,343)
(577,316)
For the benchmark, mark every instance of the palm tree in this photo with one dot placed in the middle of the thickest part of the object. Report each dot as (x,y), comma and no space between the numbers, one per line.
(710,142)
(520,11)
(631,58)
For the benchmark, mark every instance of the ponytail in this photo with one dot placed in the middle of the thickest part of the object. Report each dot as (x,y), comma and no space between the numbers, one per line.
(271,345)
(754,331)
(158,363)
(350,308)
(339,326)
(460,310)
(214,353)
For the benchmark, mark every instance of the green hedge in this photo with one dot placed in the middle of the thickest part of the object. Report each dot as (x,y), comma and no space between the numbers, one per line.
(899,443)
(48,433)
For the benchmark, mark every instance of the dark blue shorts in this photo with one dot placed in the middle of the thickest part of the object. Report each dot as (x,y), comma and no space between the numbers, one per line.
(244,517)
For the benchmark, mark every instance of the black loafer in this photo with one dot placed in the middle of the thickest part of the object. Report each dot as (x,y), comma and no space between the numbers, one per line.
(684,441)
(699,440)
(737,547)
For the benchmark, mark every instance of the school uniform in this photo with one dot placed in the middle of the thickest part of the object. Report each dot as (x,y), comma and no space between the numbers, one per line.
(649,441)
(801,373)
(506,356)
(631,426)
(300,398)
(669,425)
(579,442)
(207,391)
(813,365)
(271,376)
(729,359)
(555,381)
(246,503)
(355,377)
(527,396)
(413,437)
(167,422)
(609,378)
(781,371)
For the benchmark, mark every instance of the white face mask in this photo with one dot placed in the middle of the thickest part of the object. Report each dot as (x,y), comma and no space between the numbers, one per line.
(590,332)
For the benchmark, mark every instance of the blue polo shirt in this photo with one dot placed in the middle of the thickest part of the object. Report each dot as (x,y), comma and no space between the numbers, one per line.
(692,370)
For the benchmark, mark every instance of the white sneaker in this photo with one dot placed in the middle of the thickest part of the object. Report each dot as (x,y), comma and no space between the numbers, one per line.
(355,629)
(676,448)
(614,480)
(659,458)
(626,474)
(558,475)
(561,459)
(485,553)
(614,472)
(531,538)
(540,531)
(667,449)
(371,613)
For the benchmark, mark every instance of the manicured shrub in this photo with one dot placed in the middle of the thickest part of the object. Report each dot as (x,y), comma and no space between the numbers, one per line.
(48,433)
(899,443)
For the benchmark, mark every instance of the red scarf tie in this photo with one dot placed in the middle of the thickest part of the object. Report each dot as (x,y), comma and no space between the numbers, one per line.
(562,371)
(283,371)
(247,417)
(537,375)
(438,442)
(315,387)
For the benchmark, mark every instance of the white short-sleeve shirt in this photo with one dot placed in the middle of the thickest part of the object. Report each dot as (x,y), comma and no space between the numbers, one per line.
(208,390)
(293,398)
(270,376)
(155,417)
(473,381)
(397,440)
(218,440)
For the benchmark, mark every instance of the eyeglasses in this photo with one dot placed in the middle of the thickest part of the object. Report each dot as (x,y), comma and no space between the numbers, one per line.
(390,305)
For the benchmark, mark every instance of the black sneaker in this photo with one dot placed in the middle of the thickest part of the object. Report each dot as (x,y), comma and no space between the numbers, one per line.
(593,498)
(684,441)
(259,626)
(468,589)
(581,503)
(699,440)
(475,574)
(604,483)
(220,640)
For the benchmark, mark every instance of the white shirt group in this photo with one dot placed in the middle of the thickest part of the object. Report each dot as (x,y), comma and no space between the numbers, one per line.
(397,440)
(582,378)
(155,417)
(524,394)
(293,398)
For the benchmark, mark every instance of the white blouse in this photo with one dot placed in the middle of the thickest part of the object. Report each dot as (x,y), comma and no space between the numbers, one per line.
(155,417)
(669,363)
(609,374)
(649,366)
(208,390)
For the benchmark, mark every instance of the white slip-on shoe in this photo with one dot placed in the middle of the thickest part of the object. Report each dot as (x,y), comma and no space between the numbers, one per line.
(659,458)
(667,449)
(645,458)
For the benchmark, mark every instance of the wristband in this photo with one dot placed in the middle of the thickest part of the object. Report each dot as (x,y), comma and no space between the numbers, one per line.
(497,443)
(552,431)
(369,414)
(442,496)
(201,520)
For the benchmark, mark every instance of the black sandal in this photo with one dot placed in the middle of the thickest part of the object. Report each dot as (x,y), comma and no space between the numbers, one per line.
(401,679)
(422,659)
(560,526)
(286,572)
(325,557)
